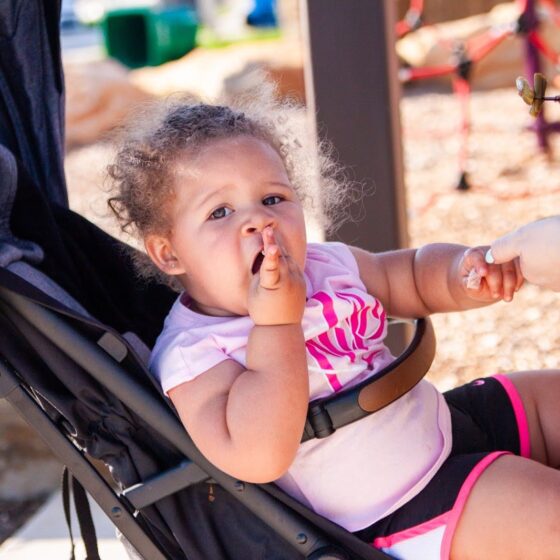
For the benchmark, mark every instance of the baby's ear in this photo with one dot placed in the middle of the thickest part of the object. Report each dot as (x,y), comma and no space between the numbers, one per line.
(161,253)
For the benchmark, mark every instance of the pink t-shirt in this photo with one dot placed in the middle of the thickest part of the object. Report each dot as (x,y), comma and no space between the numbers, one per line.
(367,469)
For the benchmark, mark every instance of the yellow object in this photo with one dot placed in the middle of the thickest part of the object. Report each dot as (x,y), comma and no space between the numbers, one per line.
(539,84)
(524,90)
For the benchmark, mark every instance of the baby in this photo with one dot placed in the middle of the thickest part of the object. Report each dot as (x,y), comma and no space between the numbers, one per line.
(266,322)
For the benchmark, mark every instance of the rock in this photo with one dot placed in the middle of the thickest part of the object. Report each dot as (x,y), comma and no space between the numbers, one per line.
(211,73)
(98,96)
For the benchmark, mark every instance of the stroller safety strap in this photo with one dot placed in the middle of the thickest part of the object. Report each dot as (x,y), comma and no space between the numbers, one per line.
(325,416)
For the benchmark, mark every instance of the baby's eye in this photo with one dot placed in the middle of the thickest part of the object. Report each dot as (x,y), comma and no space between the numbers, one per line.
(220,213)
(271,200)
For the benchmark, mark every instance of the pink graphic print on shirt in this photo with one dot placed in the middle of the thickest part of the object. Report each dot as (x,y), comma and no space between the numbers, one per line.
(349,339)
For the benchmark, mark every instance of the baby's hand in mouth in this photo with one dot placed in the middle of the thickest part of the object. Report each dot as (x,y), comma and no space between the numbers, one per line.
(270,271)
(277,293)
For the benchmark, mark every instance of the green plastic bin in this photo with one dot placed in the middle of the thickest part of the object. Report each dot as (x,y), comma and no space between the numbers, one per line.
(148,36)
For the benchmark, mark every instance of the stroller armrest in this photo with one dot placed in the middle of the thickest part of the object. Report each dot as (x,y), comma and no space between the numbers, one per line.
(326,415)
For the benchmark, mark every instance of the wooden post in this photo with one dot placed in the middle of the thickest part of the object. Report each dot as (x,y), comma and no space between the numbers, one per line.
(353,95)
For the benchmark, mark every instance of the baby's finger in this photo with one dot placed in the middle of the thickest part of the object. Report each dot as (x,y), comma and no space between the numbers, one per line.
(474,259)
(494,281)
(268,238)
(270,268)
(509,276)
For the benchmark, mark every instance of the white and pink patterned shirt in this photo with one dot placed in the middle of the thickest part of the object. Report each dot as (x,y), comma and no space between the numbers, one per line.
(367,469)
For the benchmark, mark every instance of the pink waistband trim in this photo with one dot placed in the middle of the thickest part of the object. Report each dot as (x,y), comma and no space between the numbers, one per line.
(461,500)
(451,518)
(520,416)
(391,540)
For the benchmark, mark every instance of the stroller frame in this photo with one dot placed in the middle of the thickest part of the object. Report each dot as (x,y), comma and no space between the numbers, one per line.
(310,534)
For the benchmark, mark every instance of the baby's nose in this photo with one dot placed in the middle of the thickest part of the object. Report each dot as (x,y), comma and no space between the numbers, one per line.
(258,221)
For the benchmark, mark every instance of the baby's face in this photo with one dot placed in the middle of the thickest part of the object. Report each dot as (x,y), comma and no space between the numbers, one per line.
(225,197)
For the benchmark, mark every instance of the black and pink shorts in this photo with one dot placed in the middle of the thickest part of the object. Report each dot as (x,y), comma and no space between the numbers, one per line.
(488,420)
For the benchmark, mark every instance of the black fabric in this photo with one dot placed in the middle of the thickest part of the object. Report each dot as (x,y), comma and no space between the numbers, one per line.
(93,267)
(483,421)
(436,499)
(85,520)
(89,264)
(32,91)
(483,418)
(66,507)
(71,486)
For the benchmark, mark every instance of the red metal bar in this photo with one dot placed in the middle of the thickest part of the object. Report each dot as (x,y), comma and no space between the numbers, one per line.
(411,18)
(543,47)
(409,74)
(478,47)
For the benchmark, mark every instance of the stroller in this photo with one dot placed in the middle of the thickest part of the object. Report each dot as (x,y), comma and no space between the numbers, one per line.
(76,326)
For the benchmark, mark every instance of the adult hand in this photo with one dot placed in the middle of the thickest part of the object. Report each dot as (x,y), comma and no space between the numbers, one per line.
(537,245)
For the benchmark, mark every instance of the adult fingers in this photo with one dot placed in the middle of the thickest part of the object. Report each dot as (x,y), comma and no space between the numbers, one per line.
(505,248)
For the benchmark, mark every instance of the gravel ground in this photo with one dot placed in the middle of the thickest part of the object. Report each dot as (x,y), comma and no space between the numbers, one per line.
(512,183)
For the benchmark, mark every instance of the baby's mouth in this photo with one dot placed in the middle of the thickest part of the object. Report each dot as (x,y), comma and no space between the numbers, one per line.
(257,263)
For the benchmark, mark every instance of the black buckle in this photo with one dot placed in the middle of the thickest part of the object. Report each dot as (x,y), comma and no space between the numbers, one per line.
(320,421)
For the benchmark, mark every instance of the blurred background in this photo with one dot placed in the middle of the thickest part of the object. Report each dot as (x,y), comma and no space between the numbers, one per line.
(474,162)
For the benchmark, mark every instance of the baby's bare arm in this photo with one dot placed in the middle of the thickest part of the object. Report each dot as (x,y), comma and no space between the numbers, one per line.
(390,278)
(249,422)
(433,279)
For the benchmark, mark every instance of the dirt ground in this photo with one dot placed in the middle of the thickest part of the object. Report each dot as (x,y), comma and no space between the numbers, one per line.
(512,183)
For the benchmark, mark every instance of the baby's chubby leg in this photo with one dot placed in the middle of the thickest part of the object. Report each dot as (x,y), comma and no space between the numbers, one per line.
(540,393)
(513,510)
(512,513)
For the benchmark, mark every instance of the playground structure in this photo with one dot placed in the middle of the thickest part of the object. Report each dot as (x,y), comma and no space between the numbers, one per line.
(463,55)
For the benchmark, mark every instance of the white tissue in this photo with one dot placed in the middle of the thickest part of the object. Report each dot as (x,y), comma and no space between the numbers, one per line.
(473,280)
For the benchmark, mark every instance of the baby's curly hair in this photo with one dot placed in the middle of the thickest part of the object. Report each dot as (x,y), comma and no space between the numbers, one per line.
(153,140)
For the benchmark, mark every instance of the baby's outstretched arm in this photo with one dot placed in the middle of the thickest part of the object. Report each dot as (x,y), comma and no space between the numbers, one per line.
(249,421)
(434,278)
